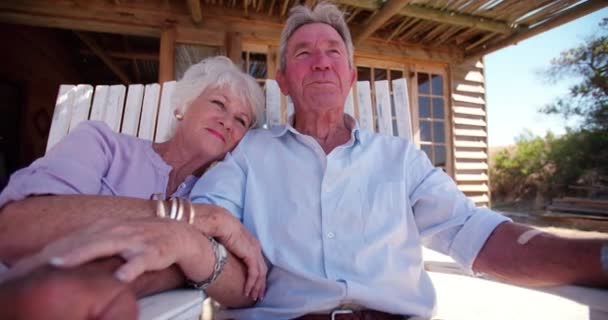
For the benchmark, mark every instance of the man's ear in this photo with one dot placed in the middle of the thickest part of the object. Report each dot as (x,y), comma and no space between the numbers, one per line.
(353,76)
(282,82)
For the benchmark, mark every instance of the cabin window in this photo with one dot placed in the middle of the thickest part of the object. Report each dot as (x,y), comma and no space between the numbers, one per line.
(255,64)
(373,74)
(432,117)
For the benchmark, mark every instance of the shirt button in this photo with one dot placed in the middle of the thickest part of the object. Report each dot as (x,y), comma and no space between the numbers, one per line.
(330,235)
(183,185)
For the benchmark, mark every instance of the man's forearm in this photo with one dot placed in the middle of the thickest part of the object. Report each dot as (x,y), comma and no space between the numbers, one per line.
(517,255)
(28,225)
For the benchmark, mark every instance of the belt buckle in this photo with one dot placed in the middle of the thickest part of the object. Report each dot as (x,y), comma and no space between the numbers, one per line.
(337,312)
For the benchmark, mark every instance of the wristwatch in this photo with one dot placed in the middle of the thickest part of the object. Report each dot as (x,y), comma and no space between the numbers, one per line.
(220,261)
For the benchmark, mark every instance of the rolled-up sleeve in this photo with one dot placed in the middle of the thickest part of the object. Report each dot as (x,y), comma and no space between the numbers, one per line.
(447,220)
(76,165)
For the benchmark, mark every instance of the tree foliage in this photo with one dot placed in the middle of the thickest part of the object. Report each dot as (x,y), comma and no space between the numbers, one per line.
(589,98)
(546,166)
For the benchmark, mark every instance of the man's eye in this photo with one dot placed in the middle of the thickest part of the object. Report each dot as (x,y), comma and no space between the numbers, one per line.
(302,53)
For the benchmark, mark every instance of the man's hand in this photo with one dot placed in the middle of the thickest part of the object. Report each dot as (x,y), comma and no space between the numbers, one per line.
(217,222)
(85,292)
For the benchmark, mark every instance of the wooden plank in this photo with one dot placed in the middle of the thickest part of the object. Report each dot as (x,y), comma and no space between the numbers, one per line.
(60,122)
(388,10)
(566,16)
(470,144)
(108,105)
(573,209)
(149,110)
(473,188)
(480,199)
(166,65)
(474,111)
(402,109)
(364,104)
(166,117)
(468,99)
(234,47)
(470,155)
(82,104)
(471,165)
(470,133)
(135,97)
(273,103)
(470,122)
(383,108)
(471,177)
(470,88)
(195,11)
(349,105)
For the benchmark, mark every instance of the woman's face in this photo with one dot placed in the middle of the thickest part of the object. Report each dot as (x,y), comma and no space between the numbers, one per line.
(215,122)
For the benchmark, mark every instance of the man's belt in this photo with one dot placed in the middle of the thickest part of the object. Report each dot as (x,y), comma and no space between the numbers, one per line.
(350,314)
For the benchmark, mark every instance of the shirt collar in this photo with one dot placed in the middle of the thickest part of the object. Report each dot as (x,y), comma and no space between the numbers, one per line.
(351,123)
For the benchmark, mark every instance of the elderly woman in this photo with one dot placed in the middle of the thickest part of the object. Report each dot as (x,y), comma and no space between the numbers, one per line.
(215,105)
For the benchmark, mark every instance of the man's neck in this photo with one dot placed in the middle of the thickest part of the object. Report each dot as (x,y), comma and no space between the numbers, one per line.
(328,128)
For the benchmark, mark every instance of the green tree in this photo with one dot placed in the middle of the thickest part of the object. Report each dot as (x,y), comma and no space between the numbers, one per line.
(589,98)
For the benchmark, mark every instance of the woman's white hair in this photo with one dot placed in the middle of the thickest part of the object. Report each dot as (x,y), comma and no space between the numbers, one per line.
(323,12)
(219,72)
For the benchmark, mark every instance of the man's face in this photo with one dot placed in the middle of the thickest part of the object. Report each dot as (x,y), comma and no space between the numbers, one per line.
(317,74)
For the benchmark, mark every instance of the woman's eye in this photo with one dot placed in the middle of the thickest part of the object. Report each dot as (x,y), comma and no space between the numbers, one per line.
(242,122)
(219,104)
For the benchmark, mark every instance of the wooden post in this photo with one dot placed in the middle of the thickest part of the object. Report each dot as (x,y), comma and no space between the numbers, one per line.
(166,65)
(272,62)
(234,47)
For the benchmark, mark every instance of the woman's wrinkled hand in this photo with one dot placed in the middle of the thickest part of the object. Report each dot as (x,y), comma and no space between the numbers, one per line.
(218,223)
(146,244)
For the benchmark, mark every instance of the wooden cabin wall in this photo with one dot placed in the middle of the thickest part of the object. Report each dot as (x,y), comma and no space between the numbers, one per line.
(469,128)
(34,63)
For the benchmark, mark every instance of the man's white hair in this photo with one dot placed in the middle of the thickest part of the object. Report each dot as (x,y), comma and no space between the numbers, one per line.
(219,72)
(323,12)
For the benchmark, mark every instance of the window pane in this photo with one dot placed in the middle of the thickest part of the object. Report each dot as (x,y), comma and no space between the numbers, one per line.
(438,132)
(257,65)
(425,131)
(424,108)
(423,83)
(438,108)
(439,160)
(437,83)
(428,150)
(396,74)
(364,74)
(379,74)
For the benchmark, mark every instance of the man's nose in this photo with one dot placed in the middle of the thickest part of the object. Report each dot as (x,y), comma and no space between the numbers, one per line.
(321,61)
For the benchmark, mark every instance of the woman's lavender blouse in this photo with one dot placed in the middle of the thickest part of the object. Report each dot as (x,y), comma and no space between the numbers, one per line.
(95,160)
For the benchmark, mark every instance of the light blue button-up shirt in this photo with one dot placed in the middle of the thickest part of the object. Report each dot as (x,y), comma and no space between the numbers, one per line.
(346,227)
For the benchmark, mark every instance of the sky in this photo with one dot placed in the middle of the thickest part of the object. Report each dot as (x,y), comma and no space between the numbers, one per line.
(515,90)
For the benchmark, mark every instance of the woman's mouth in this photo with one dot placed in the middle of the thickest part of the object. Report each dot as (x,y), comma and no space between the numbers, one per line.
(217,134)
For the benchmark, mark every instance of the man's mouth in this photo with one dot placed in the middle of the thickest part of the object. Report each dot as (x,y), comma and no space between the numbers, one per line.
(217,134)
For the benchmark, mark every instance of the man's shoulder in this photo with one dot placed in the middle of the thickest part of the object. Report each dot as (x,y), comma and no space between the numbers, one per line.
(374,139)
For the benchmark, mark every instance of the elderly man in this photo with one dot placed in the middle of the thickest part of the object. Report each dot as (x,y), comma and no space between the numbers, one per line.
(341,213)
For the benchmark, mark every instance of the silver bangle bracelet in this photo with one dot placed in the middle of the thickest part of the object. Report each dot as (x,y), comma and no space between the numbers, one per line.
(220,261)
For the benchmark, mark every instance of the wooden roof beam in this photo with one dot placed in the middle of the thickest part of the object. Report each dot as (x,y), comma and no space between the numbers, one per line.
(195,11)
(388,10)
(562,18)
(99,52)
(441,16)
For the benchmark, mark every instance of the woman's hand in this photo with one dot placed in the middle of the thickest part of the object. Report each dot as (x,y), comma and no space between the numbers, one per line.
(146,244)
(218,223)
